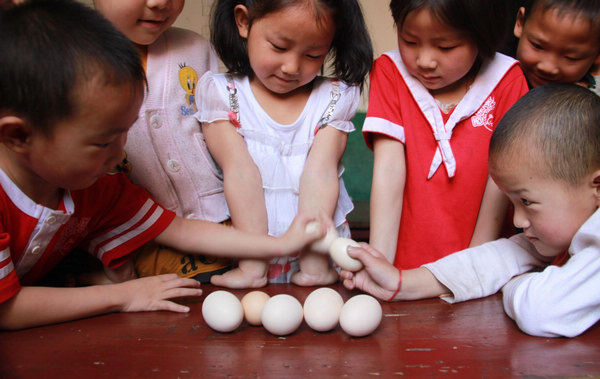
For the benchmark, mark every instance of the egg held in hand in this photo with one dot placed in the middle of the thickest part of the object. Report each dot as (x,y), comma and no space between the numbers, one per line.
(339,253)
(321,245)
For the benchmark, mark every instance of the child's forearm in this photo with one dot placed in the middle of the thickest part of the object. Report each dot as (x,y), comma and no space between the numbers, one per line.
(492,214)
(204,237)
(319,183)
(35,306)
(246,200)
(319,192)
(387,195)
(241,177)
(420,283)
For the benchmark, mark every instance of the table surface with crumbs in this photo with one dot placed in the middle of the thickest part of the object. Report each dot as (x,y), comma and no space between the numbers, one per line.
(426,338)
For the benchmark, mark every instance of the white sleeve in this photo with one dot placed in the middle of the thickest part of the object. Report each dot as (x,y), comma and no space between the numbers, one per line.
(483,270)
(559,301)
(345,108)
(212,98)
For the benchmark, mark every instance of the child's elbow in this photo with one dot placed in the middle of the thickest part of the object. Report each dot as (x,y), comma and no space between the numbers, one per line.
(542,320)
(7,321)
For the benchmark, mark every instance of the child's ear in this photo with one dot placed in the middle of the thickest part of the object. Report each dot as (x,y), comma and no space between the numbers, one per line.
(14,133)
(240,13)
(595,182)
(519,23)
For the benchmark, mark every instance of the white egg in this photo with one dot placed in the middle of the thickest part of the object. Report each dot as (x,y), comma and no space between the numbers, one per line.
(322,309)
(282,315)
(361,315)
(321,245)
(222,311)
(339,253)
(253,303)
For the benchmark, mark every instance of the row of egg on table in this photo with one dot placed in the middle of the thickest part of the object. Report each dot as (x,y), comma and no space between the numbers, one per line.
(283,314)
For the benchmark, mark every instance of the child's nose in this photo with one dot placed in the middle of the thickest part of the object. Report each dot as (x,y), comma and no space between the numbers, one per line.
(519,219)
(158,3)
(291,65)
(426,59)
(548,65)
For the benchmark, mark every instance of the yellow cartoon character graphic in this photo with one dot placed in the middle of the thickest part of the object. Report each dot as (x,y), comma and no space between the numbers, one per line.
(188,78)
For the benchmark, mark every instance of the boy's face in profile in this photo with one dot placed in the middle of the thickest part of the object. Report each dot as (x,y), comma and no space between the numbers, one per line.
(87,145)
(549,211)
(555,47)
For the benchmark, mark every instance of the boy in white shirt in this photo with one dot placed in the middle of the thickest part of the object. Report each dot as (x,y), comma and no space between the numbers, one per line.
(545,156)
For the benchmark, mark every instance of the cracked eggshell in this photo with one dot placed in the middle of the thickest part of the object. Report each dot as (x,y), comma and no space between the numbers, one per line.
(222,311)
(322,309)
(339,253)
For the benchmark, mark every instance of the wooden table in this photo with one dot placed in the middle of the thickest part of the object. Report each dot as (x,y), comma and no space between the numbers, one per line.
(428,338)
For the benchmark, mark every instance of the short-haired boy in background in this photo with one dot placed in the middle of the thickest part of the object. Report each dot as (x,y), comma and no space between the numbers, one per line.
(559,41)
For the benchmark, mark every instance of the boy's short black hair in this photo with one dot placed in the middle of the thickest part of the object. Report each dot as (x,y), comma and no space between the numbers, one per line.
(484,21)
(587,9)
(555,126)
(51,48)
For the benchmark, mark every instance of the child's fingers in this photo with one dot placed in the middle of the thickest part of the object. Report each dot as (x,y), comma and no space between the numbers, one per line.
(360,253)
(175,281)
(171,306)
(349,284)
(172,293)
(374,252)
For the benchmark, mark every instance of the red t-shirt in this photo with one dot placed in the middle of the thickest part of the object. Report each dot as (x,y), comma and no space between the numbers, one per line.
(110,219)
(441,202)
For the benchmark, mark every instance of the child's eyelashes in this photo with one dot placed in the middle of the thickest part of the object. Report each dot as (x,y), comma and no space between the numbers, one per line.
(277,47)
(446,48)
(536,45)
(282,49)
(525,202)
(573,59)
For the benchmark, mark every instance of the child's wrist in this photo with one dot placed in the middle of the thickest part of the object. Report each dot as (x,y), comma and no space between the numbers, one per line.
(391,298)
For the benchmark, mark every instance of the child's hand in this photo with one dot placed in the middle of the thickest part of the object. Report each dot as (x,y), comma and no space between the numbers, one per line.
(378,277)
(298,235)
(151,293)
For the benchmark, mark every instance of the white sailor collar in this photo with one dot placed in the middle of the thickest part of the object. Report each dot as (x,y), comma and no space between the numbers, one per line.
(490,74)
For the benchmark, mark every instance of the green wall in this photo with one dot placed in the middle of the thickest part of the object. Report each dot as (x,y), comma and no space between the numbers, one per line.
(358,161)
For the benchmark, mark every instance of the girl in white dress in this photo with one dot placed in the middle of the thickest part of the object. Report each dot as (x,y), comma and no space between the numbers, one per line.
(277,129)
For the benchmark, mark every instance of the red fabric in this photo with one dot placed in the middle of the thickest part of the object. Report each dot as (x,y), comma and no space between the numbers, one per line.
(439,214)
(111,219)
(561,259)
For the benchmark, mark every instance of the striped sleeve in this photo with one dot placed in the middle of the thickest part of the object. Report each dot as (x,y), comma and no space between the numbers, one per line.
(9,283)
(132,220)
